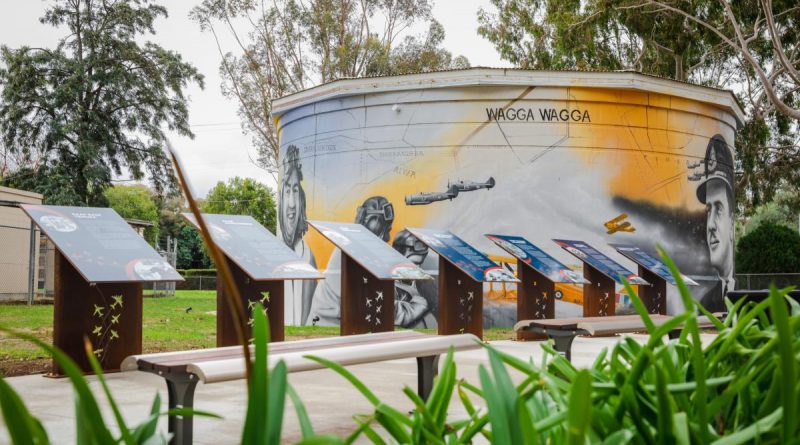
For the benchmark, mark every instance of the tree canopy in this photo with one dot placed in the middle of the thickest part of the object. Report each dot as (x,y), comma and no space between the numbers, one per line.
(94,106)
(243,196)
(135,202)
(291,45)
(749,46)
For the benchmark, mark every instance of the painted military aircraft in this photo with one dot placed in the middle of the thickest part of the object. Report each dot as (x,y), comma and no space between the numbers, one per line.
(98,310)
(693,165)
(98,330)
(427,198)
(468,186)
(617,225)
(115,319)
(114,334)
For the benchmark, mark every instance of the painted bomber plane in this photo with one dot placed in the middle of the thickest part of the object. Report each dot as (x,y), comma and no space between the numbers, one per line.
(453,189)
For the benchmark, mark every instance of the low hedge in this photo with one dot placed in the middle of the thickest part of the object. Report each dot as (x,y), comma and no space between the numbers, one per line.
(197,272)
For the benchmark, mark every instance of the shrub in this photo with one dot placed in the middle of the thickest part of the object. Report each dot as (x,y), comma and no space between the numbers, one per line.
(197,272)
(769,249)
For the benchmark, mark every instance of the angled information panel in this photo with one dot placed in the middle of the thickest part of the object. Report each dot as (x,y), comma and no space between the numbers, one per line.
(462,255)
(650,263)
(100,244)
(599,261)
(255,249)
(372,253)
(535,257)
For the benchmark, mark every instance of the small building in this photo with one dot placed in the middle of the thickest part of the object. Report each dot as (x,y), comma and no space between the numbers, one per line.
(15,238)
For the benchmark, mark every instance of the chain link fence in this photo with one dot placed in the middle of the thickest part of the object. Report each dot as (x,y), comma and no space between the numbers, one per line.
(763,280)
(198,283)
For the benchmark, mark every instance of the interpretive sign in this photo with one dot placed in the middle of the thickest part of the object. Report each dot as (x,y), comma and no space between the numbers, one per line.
(369,270)
(462,272)
(654,271)
(100,265)
(599,261)
(467,258)
(100,244)
(599,298)
(255,249)
(538,259)
(650,262)
(375,255)
(538,273)
(259,263)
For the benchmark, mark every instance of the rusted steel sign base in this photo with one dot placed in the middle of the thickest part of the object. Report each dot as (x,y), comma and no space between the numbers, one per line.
(535,298)
(367,302)
(598,297)
(460,301)
(268,293)
(654,296)
(108,315)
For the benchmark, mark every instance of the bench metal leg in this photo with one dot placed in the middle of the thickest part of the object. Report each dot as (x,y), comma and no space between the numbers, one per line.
(563,343)
(180,389)
(427,368)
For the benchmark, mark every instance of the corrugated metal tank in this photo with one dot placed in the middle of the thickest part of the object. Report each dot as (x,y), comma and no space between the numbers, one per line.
(564,152)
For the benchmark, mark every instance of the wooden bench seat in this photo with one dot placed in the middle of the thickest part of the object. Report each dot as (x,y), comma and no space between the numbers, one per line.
(563,331)
(182,370)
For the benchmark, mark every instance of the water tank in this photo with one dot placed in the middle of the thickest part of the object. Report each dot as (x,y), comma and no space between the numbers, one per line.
(603,157)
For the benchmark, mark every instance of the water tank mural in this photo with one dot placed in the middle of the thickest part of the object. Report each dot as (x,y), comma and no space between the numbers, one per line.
(600,157)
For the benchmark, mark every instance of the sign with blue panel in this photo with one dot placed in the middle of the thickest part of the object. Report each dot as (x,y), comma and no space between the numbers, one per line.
(650,262)
(255,249)
(599,261)
(467,258)
(538,259)
(100,244)
(371,252)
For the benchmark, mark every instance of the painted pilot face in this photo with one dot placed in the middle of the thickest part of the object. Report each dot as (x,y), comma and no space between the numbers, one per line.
(719,227)
(290,201)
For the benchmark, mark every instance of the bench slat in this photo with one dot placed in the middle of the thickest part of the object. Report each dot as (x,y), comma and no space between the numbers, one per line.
(164,360)
(428,345)
(223,364)
(617,324)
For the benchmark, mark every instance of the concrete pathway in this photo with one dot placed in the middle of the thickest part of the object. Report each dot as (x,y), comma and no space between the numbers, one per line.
(330,400)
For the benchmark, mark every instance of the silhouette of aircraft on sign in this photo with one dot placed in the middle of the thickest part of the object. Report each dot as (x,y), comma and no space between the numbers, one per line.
(453,189)
(617,225)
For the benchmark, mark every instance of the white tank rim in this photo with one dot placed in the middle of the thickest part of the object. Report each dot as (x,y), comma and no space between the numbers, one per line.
(629,80)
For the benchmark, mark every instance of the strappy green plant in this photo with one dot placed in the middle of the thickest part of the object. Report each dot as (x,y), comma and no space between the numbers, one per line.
(736,389)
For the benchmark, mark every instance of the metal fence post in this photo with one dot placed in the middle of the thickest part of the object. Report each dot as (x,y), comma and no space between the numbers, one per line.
(31,262)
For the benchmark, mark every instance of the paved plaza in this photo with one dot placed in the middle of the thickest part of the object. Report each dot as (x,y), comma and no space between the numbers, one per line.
(331,401)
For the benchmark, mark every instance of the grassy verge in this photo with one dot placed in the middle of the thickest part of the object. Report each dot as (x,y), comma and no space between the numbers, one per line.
(168,325)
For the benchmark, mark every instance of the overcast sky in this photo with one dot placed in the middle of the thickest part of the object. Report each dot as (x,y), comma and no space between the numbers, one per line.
(220,150)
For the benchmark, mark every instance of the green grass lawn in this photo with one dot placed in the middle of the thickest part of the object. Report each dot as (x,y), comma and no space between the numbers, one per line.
(167,326)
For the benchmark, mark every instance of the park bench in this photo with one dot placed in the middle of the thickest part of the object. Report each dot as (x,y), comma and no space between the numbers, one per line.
(182,370)
(563,331)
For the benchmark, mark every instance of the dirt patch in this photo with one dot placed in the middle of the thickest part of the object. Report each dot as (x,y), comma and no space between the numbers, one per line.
(13,368)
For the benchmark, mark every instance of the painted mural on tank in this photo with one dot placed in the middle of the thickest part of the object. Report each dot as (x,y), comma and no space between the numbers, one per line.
(599,165)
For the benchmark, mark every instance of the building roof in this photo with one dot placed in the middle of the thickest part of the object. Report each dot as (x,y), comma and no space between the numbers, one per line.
(724,99)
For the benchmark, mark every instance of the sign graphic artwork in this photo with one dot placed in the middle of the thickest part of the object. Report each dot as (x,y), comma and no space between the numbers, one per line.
(100,244)
(253,248)
(535,257)
(599,261)
(650,262)
(369,251)
(463,256)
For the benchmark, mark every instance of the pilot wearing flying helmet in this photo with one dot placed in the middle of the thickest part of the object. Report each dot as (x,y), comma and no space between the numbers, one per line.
(377,215)
(716,192)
